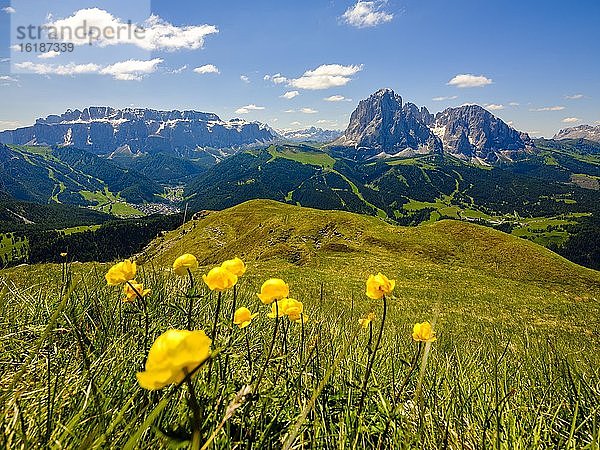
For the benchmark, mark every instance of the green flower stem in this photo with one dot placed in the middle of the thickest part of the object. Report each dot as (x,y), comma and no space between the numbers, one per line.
(144,304)
(249,355)
(195,407)
(370,363)
(190,297)
(270,352)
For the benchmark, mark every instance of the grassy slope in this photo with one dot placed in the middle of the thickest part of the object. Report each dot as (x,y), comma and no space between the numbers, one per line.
(490,294)
(468,272)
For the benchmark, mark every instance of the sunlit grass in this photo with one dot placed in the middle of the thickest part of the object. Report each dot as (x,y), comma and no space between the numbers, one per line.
(502,383)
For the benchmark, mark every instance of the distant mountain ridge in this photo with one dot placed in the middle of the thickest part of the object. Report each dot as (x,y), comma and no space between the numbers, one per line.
(104,130)
(383,125)
(311,134)
(588,132)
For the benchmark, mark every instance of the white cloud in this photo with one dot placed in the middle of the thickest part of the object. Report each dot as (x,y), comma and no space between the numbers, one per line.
(290,94)
(246,109)
(326,76)
(296,123)
(153,34)
(466,80)
(337,98)
(367,14)
(49,55)
(9,123)
(244,78)
(207,68)
(513,104)
(290,111)
(63,69)
(131,69)
(574,97)
(548,108)
(276,78)
(308,111)
(9,10)
(494,107)
(179,69)
(443,99)
(8,79)
(571,120)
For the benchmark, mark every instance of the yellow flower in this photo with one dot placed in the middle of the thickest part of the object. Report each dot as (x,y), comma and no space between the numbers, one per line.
(303,318)
(130,292)
(183,263)
(174,354)
(219,279)
(121,273)
(379,285)
(273,289)
(280,306)
(64,254)
(236,266)
(367,320)
(293,309)
(422,332)
(243,317)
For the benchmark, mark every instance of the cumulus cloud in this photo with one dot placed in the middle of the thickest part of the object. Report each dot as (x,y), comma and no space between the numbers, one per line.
(548,108)
(494,106)
(244,78)
(276,78)
(337,98)
(290,94)
(326,76)
(574,97)
(246,109)
(367,14)
(308,111)
(207,68)
(132,69)
(9,10)
(467,80)
(443,99)
(49,55)
(153,34)
(571,120)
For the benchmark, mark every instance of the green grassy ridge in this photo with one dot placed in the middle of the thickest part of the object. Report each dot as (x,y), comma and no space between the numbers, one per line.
(263,229)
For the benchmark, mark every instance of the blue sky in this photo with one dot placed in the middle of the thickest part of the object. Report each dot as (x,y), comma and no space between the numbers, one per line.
(533,63)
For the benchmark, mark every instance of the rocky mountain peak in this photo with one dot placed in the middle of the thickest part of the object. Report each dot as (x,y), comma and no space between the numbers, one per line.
(384,125)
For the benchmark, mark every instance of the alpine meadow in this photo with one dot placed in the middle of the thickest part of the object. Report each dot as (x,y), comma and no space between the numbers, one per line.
(220,230)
